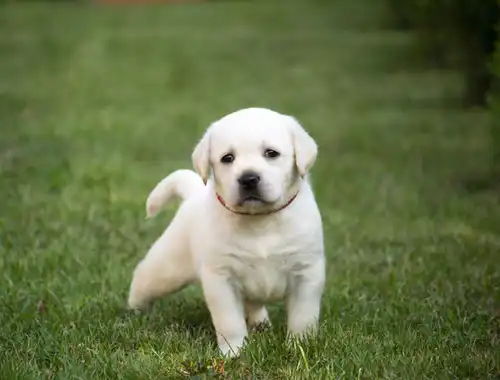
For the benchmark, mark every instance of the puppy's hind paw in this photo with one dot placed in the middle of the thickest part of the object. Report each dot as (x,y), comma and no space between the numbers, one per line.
(137,306)
(261,326)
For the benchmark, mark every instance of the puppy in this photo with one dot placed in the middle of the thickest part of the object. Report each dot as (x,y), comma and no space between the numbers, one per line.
(249,229)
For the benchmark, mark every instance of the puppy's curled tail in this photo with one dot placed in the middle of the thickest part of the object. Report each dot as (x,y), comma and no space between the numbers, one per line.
(182,183)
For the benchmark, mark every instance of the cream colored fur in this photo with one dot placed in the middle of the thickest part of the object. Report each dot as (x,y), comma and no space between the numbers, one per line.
(242,262)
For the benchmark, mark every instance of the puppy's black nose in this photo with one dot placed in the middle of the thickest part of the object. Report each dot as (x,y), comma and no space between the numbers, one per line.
(249,180)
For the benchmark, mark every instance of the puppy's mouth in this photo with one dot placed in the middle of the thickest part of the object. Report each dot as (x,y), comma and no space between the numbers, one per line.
(251,200)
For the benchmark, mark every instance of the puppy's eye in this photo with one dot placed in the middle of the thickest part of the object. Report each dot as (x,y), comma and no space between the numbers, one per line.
(271,153)
(227,158)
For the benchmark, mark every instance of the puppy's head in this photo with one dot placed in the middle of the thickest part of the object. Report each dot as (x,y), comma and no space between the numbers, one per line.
(256,156)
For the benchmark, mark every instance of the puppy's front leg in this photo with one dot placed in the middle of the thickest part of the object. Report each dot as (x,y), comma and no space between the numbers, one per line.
(304,300)
(227,311)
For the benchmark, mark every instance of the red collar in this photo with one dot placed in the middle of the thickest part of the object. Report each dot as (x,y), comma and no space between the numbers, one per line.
(221,200)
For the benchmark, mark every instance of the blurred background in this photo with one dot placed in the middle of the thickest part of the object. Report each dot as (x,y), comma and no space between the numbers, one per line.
(100,100)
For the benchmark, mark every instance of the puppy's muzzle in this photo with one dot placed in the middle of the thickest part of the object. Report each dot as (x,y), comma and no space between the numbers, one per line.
(249,187)
(249,181)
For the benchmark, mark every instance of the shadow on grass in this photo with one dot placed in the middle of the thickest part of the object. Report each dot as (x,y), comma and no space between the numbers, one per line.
(174,312)
(441,102)
(485,181)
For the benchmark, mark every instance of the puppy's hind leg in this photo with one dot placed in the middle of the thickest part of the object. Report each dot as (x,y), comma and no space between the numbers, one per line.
(167,267)
(256,316)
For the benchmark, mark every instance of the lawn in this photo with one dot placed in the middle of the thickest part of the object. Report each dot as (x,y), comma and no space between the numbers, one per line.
(98,104)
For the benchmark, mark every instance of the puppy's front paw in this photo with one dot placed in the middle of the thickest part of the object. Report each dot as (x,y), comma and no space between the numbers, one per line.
(229,351)
(230,348)
(303,335)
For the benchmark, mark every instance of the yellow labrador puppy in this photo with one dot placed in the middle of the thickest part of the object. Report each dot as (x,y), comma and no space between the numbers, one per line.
(249,229)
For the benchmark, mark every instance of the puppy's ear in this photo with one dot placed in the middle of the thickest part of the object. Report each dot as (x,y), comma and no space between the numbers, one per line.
(201,156)
(306,149)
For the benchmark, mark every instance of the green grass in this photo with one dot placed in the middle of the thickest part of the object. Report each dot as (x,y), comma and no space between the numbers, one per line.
(98,104)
